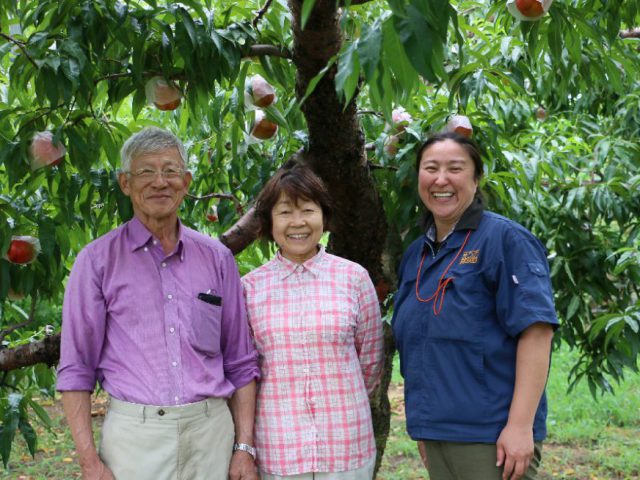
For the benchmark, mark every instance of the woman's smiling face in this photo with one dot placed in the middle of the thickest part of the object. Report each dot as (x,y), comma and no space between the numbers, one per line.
(447,182)
(297,227)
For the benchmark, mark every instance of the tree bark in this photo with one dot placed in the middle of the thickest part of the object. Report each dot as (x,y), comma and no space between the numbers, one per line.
(44,351)
(337,154)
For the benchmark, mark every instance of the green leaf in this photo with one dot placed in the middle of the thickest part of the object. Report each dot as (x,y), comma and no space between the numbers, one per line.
(29,435)
(307,7)
(188,24)
(47,235)
(348,72)
(369,48)
(573,307)
(10,422)
(5,278)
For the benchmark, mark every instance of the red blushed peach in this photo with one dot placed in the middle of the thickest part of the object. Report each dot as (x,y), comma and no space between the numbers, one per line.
(401,119)
(530,8)
(164,95)
(263,128)
(460,124)
(212,214)
(44,152)
(23,249)
(259,92)
(391,145)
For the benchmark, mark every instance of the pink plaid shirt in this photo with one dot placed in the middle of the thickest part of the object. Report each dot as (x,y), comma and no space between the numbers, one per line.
(318,331)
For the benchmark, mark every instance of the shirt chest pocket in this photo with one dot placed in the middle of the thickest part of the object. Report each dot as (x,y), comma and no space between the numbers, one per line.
(205,327)
(336,322)
(466,304)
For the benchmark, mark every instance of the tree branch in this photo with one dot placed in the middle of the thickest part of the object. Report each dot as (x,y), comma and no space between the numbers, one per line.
(44,351)
(261,50)
(21,46)
(243,233)
(261,13)
(633,33)
(226,196)
(375,166)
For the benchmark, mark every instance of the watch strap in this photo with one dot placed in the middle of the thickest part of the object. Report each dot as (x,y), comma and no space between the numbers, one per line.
(245,448)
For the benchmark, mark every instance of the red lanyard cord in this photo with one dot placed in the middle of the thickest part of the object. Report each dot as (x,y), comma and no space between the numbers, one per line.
(438,295)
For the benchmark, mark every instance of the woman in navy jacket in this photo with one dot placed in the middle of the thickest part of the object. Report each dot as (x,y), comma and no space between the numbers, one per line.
(473,321)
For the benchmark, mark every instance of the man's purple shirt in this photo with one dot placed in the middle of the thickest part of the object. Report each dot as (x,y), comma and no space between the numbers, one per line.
(132,320)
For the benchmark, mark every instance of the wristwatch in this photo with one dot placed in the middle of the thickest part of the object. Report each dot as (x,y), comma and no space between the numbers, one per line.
(245,448)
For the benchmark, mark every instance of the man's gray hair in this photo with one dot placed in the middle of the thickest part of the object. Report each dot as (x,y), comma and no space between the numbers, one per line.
(149,140)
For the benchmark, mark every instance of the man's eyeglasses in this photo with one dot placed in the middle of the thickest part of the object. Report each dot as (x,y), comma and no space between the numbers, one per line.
(149,174)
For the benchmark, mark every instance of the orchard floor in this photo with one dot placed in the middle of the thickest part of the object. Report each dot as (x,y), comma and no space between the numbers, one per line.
(565,461)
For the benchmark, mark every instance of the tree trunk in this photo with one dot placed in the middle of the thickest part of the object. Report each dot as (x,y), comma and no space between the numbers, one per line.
(337,154)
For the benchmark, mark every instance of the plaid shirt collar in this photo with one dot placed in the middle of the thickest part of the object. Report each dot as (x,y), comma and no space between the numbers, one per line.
(286,267)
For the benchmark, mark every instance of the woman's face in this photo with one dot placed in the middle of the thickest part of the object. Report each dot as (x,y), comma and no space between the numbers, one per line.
(446,182)
(297,228)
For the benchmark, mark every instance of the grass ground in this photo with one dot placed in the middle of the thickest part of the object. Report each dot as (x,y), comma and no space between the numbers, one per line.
(588,439)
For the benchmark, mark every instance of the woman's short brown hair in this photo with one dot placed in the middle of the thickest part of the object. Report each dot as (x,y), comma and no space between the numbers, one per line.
(297,182)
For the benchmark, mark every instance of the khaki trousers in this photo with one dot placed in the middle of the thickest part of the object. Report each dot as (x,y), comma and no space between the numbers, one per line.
(187,442)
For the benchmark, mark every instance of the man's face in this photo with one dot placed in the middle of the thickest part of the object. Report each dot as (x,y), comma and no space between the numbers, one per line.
(156,197)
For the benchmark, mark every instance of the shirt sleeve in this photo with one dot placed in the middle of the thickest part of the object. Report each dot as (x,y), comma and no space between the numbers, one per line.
(240,358)
(369,336)
(83,327)
(524,294)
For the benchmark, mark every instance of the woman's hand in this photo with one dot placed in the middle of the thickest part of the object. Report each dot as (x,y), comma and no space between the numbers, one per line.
(515,451)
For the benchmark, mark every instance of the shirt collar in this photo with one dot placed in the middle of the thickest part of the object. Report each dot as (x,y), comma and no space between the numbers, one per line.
(140,236)
(287,267)
(469,220)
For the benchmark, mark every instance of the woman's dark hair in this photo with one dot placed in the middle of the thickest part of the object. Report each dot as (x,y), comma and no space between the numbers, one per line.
(469,146)
(298,183)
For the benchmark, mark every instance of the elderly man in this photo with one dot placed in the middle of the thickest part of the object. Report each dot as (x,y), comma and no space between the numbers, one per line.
(154,312)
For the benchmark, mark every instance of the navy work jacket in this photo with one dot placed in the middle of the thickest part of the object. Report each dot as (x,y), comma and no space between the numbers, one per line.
(459,364)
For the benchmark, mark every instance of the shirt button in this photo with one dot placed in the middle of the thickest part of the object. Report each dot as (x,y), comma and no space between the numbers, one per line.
(174,364)
(161,412)
(155,242)
(164,264)
(176,398)
(146,249)
(169,296)
(171,330)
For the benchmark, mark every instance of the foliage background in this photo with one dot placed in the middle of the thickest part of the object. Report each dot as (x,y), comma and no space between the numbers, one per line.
(78,68)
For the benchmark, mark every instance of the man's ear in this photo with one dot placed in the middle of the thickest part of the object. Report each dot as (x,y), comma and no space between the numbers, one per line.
(187,180)
(123,180)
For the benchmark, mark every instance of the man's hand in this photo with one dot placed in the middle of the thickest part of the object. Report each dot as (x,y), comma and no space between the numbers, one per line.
(242,467)
(422,449)
(97,471)
(515,451)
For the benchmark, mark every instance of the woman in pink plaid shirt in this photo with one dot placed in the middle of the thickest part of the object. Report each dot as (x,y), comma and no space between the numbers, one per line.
(316,323)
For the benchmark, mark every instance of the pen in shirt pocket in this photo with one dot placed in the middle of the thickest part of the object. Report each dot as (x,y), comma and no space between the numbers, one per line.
(207,297)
